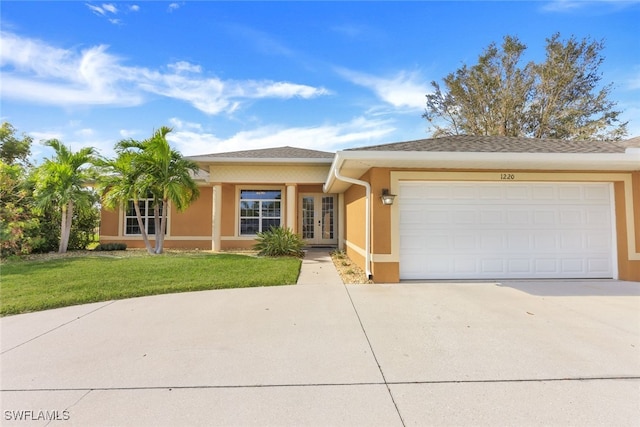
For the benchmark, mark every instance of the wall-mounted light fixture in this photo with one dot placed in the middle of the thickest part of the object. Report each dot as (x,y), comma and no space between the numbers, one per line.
(387,198)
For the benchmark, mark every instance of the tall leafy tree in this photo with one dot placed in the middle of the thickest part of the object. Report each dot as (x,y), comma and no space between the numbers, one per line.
(561,97)
(18,227)
(13,149)
(157,171)
(62,182)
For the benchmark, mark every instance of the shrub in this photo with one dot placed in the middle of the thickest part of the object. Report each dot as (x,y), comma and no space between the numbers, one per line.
(111,247)
(279,241)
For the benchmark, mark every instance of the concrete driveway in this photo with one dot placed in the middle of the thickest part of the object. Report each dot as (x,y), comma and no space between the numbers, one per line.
(515,353)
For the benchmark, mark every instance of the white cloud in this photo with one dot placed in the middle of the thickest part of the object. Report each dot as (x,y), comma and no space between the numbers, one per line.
(183,66)
(35,71)
(46,135)
(404,90)
(633,83)
(359,131)
(174,6)
(128,133)
(102,10)
(178,124)
(96,9)
(286,90)
(572,5)
(85,133)
(110,8)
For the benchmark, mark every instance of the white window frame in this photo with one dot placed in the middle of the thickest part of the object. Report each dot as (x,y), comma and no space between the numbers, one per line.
(261,217)
(148,216)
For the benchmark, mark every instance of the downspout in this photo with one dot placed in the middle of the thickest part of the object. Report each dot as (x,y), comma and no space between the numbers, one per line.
(367,234)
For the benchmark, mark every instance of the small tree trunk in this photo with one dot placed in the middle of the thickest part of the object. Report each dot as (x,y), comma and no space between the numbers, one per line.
(65,227)
(143,231)
(63,230)
(70,210)
(163,224)
(159,233)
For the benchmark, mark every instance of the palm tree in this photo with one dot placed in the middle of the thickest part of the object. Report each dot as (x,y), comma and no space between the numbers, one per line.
(158,171)
(118,185)
(62,182)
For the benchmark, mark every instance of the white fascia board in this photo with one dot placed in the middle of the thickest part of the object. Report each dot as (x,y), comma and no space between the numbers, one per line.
(629,161)
(581,160)
(224,160)
(335,165)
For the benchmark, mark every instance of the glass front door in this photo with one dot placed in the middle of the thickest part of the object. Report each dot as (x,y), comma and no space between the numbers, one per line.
(318,219)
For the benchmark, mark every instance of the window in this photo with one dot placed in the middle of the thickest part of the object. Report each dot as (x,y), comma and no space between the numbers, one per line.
(259,210)
(146,212)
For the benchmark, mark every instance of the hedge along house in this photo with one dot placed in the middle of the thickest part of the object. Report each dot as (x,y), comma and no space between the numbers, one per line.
(465,207)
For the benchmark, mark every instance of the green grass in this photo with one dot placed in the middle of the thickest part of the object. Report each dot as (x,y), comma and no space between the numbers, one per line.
(27,286)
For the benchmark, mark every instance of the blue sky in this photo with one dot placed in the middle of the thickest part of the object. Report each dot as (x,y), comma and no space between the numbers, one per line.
(242,75)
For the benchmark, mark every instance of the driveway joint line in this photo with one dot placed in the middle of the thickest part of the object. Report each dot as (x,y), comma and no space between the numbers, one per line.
(517,380)
(390,383)
(57,327)
(355,310)
(194,387)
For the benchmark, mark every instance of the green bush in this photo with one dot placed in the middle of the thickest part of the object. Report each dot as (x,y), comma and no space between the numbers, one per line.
(278,241)
(111,247)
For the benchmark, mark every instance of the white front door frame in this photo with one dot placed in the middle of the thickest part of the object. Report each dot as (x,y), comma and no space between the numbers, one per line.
(318,218)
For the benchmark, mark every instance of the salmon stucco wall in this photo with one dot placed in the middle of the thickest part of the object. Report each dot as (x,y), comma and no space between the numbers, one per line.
(171,244)
(380,214)
(354,226)
(189,229)
(228,211)
(628,269)
(109,222)
(196,219)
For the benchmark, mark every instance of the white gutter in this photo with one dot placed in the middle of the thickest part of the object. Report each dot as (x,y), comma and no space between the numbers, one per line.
(367,234)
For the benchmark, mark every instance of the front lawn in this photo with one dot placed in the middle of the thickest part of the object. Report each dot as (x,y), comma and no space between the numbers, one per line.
(43,284)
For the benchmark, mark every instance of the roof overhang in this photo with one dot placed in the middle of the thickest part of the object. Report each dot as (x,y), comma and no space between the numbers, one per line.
(354,164)
(210,160)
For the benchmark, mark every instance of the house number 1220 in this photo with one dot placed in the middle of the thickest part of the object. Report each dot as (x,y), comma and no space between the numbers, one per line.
(507,176)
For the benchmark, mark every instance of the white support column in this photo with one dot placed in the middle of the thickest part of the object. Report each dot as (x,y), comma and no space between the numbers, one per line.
(291,207)
(216,217)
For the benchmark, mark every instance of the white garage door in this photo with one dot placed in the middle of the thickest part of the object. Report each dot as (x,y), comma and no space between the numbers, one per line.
(471,230)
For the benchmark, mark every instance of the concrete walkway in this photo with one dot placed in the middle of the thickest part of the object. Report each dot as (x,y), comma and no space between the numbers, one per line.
(326,354)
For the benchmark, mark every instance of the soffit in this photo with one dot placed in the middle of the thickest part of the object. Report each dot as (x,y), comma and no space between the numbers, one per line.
(354,164)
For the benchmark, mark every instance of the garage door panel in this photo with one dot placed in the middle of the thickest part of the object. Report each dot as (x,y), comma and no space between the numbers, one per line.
(597,194)
(543,192)
(432,217)
(599,265)
(520,266)
(514,230)
(518,217)
(597,241)
(569,192)
(492,266)
(572,241)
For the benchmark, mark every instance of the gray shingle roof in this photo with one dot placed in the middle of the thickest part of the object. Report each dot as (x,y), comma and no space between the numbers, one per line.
(632,142)
(274,153)
(500,144)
